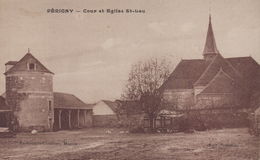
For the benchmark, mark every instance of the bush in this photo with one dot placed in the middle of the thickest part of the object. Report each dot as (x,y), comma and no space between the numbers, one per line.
(137,129)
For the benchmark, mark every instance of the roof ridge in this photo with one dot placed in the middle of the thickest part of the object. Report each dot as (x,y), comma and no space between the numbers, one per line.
(193,60)
(239,57)
(221,70)
(25,56)
(232,66)
(215,77)
(206,70)
(226,61)
(70,95)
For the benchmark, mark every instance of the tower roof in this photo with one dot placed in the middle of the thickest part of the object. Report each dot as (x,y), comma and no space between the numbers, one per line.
(22,65)
(210,45)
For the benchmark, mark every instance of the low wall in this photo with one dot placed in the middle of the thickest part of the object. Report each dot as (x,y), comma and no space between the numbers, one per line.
(219,118)
(105,121)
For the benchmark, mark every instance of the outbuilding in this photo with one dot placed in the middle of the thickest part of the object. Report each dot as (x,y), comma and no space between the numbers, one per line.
(105,114)
(70,112)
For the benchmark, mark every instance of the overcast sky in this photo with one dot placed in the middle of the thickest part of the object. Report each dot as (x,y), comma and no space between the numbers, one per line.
(91,54)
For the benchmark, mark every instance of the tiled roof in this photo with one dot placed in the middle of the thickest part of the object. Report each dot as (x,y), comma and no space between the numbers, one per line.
(247,66)
(69,101)
(22,65)
(200,72)
(221,83)
(112,105)
(11,63)
(185,74)
(217,63)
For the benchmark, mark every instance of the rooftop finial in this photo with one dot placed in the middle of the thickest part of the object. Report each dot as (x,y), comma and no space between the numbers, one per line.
(210,8)
(28,50)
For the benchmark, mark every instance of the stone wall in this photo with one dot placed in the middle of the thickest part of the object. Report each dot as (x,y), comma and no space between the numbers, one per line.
(30,96)
(180,98)
(214,100)
(219,118)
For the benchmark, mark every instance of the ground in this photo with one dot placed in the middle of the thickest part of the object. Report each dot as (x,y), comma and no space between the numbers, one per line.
(114,144)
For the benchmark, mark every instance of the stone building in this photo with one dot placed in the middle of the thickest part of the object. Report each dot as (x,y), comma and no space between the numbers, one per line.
(29,93)
(30,97)
(212,82)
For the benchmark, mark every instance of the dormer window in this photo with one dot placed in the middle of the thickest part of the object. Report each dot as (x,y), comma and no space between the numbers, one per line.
(32,66)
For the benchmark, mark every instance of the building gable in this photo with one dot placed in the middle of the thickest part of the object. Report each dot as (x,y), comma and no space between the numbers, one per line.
(29,64)
(222,83)
(214,67)
(101,108)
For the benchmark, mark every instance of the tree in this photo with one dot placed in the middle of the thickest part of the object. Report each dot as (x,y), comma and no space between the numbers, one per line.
(143,83)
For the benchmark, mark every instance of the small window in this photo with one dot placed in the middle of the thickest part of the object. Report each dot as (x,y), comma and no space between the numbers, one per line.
(32,66)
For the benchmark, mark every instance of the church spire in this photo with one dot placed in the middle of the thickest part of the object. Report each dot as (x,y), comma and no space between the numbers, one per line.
(210,48)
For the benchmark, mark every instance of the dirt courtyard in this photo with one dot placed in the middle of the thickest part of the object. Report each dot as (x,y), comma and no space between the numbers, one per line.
(99,144)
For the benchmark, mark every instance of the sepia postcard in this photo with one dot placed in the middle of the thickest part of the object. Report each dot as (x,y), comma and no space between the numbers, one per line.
(130,80)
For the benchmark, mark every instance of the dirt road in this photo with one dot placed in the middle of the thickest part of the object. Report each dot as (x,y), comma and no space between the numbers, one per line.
(96,144)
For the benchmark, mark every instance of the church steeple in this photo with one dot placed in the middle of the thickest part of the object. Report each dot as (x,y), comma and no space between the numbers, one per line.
(210,48)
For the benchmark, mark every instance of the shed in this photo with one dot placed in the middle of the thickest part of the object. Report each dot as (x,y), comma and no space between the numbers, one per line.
(71,112)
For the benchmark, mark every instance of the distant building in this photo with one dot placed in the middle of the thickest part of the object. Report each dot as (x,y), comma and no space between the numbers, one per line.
(32,103)
(214,81)
(105,114)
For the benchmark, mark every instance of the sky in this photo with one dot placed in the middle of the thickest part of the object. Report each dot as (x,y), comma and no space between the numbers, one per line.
(91,53)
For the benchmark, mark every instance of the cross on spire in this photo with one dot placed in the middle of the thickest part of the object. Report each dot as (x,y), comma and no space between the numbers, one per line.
(28,50)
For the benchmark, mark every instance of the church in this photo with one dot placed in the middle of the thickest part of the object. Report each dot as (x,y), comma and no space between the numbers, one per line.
(212,82)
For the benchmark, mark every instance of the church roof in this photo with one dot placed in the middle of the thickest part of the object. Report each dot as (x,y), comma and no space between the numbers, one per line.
(245,71)
(210,45)
(199,72)
(185,74)
(21,65)
(247,66)
(217,63)
(221,83)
